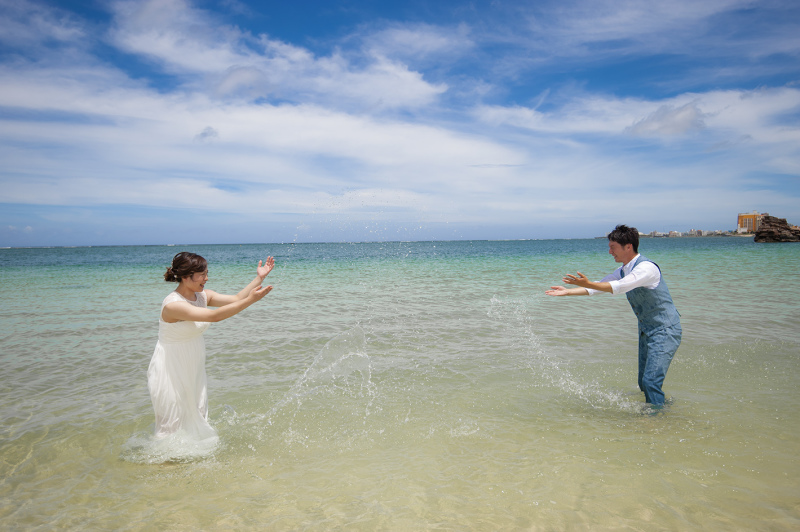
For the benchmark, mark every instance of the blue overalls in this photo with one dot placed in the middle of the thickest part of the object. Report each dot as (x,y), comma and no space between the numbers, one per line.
(659,334)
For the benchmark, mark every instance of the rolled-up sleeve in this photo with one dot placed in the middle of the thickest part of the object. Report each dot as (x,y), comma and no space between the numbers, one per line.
(610,278)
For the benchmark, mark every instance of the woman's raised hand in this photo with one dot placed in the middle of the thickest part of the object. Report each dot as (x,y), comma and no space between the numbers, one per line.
(263,270)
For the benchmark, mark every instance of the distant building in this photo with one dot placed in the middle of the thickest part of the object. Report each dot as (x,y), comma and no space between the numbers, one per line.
(749,222)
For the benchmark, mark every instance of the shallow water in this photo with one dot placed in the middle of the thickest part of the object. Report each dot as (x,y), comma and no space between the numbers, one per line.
(406,386)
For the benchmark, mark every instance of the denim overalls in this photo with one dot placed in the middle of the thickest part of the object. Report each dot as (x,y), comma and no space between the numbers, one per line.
(659,334)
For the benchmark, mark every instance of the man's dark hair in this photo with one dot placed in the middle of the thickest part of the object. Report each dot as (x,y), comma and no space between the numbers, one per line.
(622,234)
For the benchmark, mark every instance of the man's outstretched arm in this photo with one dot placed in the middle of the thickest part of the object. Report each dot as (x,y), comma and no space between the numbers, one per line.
(581,280)
(561,291)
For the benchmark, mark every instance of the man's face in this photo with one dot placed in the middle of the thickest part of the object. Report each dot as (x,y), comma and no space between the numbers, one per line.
(620,253)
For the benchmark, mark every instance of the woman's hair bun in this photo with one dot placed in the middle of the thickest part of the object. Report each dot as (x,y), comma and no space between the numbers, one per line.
(170,276)
(185,264)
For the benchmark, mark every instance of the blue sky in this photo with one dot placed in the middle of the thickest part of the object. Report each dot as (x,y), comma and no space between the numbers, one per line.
(172,121)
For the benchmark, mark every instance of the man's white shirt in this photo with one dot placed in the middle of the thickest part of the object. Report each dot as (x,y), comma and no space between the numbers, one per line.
(645,274)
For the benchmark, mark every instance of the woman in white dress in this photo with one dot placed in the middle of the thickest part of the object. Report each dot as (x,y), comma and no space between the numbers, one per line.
(177,373)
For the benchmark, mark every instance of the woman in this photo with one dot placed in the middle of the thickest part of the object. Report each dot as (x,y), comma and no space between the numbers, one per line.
(177,373)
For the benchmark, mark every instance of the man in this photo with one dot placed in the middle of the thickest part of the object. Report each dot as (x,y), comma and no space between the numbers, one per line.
(641,281)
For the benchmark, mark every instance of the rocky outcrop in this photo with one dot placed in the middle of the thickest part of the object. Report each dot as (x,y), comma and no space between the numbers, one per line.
(774,229)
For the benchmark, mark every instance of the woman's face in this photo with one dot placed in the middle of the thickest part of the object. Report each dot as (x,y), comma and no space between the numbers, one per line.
(197,281)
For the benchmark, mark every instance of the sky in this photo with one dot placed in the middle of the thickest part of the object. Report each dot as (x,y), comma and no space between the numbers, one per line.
(231,121)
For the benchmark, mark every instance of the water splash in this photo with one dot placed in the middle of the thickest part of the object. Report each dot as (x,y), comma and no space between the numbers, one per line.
(342,365)
(330,402)
(514,315)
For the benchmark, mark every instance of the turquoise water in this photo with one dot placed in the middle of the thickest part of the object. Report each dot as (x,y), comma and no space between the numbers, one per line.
(406,386)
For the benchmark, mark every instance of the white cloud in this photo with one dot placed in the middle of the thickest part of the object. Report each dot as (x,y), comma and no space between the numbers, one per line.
(420,42)
(25,24)
(152,142)
(182,38)
(14,229)
(143,149)
(601,27)
(588,114)
(667,120)
(189,42)
(758,114)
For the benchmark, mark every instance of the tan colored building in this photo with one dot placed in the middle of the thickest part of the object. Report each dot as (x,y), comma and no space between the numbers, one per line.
(749,222)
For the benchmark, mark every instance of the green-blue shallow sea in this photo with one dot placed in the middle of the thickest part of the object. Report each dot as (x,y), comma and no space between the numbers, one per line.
(405,386)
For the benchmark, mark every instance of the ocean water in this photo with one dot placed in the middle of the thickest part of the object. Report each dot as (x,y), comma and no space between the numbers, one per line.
(405,386)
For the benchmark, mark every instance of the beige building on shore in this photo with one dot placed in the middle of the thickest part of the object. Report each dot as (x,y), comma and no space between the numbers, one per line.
(749,222)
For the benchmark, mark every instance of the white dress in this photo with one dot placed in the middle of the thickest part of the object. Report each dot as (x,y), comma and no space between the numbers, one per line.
(177,376)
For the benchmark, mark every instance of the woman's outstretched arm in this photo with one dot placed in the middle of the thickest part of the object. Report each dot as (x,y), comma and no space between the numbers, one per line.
(183,311)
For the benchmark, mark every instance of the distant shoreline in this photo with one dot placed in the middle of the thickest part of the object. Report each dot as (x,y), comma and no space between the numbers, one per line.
(715,235)
(750,235)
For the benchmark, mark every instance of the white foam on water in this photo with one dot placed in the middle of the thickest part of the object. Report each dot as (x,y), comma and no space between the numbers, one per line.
(144,448)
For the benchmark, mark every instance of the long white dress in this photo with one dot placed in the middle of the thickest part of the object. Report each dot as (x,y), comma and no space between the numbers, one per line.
(177,376)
